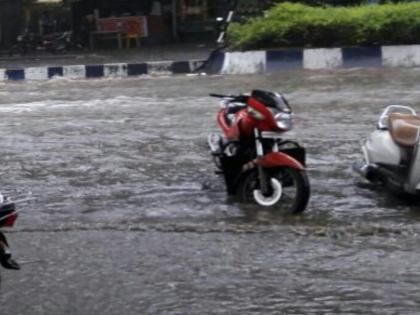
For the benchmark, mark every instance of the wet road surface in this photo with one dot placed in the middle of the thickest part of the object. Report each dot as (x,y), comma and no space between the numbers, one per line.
(127,216)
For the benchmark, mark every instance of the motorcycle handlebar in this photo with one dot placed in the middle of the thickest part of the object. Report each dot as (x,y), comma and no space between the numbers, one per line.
(220,95)
(240,98)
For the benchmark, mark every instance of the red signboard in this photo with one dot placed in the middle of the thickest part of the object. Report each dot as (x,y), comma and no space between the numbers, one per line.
(132,25)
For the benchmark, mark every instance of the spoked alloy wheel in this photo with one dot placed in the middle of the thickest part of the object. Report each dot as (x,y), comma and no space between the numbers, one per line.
(289,190)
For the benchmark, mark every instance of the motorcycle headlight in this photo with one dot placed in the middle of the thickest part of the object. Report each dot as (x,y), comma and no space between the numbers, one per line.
(284,120)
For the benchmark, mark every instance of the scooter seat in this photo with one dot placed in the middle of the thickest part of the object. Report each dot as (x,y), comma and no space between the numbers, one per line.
(404,129)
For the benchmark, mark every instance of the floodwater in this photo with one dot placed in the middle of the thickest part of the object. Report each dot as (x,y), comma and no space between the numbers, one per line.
(122,212)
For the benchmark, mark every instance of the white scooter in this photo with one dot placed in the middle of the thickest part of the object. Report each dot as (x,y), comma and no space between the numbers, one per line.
(392,151)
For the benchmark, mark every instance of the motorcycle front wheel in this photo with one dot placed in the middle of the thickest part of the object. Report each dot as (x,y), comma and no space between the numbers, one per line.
(289,190)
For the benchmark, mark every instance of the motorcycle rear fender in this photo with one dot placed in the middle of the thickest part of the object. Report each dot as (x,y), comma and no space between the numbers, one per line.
(277,159)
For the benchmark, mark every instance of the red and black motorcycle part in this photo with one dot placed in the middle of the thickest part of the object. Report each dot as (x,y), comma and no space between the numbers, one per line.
(232,166)
(278,159)
(294,149)
(6,260)
(9,215)
(3,240)
(298,152)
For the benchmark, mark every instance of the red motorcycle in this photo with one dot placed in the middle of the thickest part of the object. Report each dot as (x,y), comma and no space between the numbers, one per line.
(8,216)
(256,162)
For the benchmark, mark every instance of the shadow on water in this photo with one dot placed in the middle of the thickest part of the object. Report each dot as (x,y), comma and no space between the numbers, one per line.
(391,199)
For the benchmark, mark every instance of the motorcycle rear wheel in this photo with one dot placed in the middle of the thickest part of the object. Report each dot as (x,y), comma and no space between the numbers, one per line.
(295,189)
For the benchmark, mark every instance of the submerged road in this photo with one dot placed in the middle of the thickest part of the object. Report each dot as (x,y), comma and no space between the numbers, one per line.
(125,214)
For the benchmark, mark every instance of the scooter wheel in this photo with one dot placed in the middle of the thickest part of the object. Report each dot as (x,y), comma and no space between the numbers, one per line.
(295,190)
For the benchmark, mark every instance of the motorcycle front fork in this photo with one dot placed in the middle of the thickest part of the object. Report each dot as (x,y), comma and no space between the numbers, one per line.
(260,153)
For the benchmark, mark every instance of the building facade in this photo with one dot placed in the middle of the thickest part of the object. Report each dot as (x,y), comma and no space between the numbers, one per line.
(10,21)
(167,20)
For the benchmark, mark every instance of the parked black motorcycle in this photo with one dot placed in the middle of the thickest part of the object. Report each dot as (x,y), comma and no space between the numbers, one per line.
(52,43)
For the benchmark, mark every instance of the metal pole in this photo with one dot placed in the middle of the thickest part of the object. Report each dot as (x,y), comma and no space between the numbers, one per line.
(228,20)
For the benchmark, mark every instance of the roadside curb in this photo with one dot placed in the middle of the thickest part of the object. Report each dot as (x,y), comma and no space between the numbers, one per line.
(266,61)
(248,62)
(101,70)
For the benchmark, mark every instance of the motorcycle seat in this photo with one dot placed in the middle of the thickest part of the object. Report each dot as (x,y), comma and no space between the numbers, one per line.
(404,129)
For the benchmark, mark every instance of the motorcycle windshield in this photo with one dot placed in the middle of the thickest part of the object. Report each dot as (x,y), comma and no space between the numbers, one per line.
(272,100)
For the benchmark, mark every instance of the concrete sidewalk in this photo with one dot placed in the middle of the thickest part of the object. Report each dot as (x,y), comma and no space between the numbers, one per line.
(173,52)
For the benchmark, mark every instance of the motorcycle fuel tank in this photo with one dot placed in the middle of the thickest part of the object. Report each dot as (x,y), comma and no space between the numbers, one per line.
(382,149)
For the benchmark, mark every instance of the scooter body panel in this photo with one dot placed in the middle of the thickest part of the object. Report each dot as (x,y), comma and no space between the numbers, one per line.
(380,148)
(388,161)
(413,184)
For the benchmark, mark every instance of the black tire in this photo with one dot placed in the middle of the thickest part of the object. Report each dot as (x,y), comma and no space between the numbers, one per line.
(295,184)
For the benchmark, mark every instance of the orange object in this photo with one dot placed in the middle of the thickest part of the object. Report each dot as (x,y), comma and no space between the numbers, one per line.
(133,31)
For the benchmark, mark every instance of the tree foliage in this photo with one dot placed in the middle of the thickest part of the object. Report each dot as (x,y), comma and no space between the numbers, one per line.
(292,24)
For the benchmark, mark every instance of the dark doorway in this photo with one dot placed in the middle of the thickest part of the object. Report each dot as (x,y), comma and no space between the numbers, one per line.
(10,21)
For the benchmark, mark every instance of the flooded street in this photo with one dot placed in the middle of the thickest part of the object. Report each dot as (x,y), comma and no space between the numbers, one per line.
(126,215)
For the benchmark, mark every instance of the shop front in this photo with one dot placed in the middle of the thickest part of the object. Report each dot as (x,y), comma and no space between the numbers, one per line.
(197,18)
(10,21)
(147,21)
(44,17)
(121,23)
(114,23)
